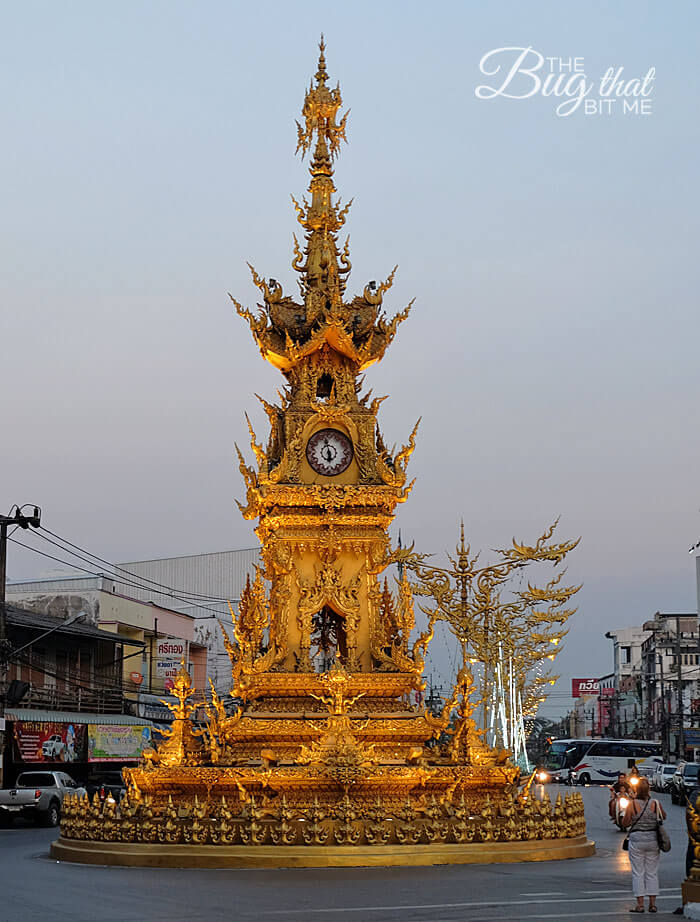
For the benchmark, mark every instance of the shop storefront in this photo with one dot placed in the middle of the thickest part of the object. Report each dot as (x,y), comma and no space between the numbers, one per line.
(78,743)
(691,737)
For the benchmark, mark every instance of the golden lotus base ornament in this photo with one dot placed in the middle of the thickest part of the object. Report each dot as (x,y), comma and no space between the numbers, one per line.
(332,758)
(344,832)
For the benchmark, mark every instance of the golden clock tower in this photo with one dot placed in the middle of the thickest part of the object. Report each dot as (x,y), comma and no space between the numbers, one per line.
(325,487)
(329,747)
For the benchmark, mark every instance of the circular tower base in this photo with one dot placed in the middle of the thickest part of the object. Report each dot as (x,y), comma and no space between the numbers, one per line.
(315,856)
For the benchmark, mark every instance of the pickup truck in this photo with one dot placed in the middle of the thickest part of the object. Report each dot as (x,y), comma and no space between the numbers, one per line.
(38,795)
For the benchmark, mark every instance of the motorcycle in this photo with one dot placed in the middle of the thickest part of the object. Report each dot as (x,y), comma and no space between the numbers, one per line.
(622,802)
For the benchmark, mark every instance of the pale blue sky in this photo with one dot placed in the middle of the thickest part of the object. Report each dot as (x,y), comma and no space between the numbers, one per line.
(148,152)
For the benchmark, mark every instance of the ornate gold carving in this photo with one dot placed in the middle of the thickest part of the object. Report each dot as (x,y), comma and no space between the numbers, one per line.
(373,767)
(346,821)
(338,754)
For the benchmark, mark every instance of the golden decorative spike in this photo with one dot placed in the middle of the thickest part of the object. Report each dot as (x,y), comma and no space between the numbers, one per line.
(320,109)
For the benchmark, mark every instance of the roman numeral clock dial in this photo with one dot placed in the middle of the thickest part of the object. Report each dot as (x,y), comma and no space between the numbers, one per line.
(329,452)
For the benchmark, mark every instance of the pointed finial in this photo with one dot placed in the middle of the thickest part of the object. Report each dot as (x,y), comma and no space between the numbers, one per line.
(319,113)
(321,73)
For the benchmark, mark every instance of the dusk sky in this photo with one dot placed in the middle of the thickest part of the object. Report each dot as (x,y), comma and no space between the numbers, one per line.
(552,351)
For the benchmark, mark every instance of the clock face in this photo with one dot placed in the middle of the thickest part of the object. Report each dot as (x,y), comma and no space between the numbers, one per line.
(329,452)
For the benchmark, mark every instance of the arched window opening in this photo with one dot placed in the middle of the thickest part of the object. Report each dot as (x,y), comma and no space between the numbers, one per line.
(328,639)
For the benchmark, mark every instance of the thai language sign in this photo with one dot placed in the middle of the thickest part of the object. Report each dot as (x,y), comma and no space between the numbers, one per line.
(47,741)
(171,648)
(116,742)
(170,651)
(580,687)
(167,669)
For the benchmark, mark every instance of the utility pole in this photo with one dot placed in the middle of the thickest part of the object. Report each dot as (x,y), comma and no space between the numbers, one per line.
(18,520)
(679,689)
(664,729)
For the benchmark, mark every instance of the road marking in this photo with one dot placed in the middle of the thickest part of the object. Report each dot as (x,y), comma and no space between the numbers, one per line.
(489,903)
(546,893)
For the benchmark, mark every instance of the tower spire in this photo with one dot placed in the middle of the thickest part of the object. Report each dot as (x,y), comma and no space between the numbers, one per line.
(287,331)
(323,269)
(321,75)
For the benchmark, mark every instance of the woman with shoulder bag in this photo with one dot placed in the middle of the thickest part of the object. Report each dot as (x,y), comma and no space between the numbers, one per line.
(642,819)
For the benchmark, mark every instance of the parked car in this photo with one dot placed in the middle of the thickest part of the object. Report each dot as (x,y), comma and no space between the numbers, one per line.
(683,779)
(661,779)
(104,784)
(38,795)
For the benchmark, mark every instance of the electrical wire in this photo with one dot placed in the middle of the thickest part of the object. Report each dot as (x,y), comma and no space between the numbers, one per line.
(103,685)
(93,572)
(100,684)
(137,582)
(116,567)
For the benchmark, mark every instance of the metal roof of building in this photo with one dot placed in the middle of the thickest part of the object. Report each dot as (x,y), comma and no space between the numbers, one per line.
(19,617)
(74,717)
(213,578)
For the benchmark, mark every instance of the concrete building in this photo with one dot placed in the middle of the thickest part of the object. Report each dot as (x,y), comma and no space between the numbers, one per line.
(625,705)
(140,625)
(201,586)
(65,704)
(670,674)
(582,719)
(627,651)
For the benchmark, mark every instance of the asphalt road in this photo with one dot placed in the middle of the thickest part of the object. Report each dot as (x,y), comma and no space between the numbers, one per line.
(34,887)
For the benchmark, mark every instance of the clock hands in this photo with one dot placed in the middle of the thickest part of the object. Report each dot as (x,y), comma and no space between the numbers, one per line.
(328,452)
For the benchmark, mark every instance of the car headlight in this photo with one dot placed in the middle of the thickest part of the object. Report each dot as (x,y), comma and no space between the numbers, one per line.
(542,777)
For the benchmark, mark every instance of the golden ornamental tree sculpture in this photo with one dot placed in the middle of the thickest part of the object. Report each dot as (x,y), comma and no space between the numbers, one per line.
(330,748)
(509,642)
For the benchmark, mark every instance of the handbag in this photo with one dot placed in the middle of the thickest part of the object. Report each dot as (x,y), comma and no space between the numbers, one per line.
(662,838)
(626,841)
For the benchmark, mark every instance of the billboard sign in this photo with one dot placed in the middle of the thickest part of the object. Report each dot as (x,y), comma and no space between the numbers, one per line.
(171,648)
(117,742)
(582,687)
(691,736)
(170,651)
(46,741)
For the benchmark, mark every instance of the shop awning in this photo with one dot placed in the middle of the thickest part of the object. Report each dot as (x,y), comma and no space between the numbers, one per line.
(74,717)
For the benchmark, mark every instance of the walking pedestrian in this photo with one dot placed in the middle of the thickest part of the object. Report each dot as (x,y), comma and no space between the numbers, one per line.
(641,819)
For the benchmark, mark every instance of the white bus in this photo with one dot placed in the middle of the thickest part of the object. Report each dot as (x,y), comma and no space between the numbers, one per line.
(600,760)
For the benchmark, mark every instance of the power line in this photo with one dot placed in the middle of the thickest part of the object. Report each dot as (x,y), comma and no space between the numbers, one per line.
(188,602)
(102,683)
(137,582)
(116,567)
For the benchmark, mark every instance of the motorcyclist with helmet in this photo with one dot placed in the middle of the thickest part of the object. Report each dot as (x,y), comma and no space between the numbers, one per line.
(620,787)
